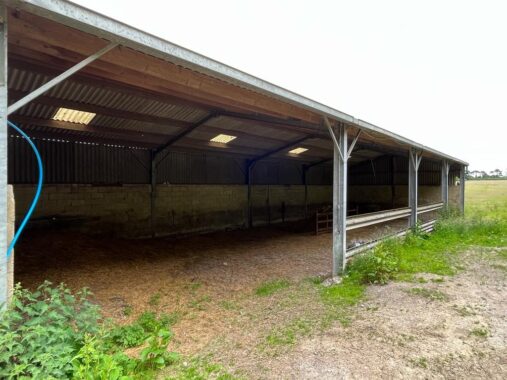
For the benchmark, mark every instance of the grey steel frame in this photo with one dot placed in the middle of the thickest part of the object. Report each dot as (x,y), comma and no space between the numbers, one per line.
(118,33)
(341,155)
(4,262)
(415,158)
(444,182)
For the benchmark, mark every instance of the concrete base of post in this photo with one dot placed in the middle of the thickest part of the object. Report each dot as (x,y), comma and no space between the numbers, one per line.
(332,281)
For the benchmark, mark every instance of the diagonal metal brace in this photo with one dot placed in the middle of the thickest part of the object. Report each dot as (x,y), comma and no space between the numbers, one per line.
(60,78)
(331,132)
(353,144)
(416,158)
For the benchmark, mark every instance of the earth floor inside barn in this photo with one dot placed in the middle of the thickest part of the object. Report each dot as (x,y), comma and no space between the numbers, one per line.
(180,275)
(210,285)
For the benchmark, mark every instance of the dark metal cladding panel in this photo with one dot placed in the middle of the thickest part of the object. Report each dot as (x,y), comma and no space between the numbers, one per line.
(225,170)
(200,168)
(320,175)
(77,162)
(265,172)
(387,169)
(430,173)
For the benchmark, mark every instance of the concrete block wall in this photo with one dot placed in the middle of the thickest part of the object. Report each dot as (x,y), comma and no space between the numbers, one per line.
(125,210)
(454,195)
(118,210)
(199,208)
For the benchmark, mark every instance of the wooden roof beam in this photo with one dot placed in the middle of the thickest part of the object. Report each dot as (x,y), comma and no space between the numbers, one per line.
(126,65)
(122,134)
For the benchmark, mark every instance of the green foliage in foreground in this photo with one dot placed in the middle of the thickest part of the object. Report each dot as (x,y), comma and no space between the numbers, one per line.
(53,334)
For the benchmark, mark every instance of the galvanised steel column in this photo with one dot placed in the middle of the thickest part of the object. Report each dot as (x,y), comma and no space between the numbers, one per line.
(153,191)
(462,189)
(340,200)
(249,171)
(4,263)
(413,168)
(444,182)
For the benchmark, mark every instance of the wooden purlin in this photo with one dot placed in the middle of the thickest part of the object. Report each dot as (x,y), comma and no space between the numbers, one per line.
(44,36)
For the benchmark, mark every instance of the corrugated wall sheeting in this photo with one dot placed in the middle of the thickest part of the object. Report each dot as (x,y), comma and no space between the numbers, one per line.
(86,163)
(77,162)
(200,168)
(387,169)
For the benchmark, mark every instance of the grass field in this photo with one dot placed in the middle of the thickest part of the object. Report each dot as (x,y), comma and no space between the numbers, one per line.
(486,198)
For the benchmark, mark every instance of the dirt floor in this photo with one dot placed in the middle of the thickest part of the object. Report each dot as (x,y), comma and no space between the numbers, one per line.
(455,327)
(179,275)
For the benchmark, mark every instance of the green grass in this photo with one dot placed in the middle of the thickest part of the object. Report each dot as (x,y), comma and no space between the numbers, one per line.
(420,362)
(432,294)
(465,311)
(480,332)
(270,287)
(197,368)
(484,225)
(200,303)
(287,335)
(486,198)
(155,299)
(347,293)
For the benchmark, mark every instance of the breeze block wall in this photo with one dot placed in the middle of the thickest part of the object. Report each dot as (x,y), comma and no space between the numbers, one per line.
(199,208)
(117,210)
(125,210)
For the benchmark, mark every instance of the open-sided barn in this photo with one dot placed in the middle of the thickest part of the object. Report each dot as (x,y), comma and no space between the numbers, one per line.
(141,138)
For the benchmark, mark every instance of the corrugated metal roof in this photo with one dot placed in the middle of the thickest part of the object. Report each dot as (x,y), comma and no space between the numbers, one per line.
(91,22)
(250,135)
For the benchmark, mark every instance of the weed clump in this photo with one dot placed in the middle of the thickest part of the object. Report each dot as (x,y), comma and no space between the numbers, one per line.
(432,294)
(53,334)
(376,267)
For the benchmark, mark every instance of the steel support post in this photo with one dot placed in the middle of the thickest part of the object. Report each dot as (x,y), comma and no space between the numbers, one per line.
(249,171)
(339,135)
(153,191)
(462,189)
(444,182)
(4,262)
(415,158)
(305,184)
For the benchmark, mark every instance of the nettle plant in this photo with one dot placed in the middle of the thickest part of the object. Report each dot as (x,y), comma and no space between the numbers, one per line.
(40,332)
(54,334)
(378,266)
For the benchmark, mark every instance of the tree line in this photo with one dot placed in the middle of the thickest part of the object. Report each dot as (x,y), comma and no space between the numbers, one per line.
(481,174)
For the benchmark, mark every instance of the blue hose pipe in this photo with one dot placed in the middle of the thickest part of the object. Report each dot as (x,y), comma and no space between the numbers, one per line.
(35,199)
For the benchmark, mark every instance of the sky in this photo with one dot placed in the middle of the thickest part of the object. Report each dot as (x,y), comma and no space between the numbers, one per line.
(432,71)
